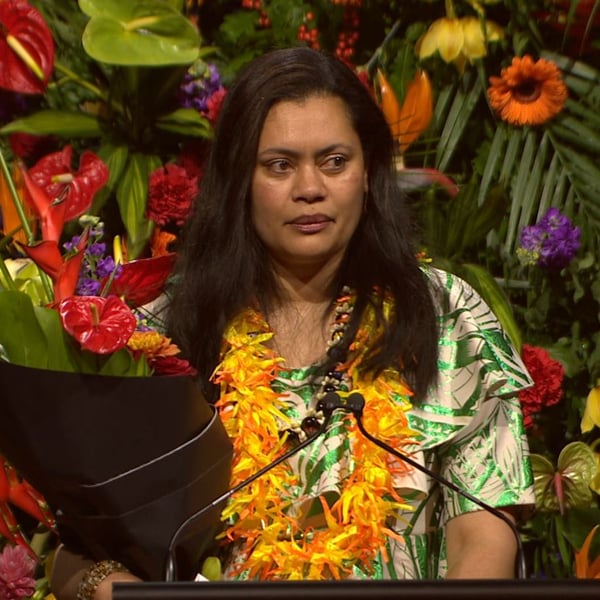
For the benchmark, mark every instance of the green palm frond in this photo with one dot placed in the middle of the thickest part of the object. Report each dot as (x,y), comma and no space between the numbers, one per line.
(552,165)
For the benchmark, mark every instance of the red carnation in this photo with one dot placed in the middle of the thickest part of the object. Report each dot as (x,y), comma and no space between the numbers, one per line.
(171,365)
(170,194)
(16,573)
(547,375)
(214,104)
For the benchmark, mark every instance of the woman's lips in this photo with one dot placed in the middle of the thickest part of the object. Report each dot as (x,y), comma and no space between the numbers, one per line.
(310,223)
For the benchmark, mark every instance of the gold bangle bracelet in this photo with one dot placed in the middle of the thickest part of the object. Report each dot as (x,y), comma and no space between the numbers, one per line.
(94,576)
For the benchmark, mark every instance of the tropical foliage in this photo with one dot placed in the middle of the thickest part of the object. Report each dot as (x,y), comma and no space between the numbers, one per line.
(494,104)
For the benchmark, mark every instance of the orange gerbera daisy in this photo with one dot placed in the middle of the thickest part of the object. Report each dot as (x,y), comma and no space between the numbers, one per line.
(528,92)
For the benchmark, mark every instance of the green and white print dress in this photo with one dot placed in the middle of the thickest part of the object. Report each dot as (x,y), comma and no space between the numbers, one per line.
(471,433)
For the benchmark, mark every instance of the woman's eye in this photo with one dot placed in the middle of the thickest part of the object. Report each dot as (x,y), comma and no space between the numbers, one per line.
(335,163)
(279,166)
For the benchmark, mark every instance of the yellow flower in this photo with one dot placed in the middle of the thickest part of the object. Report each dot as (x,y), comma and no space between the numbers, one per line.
(459,40)
(152,344)
(528,92)
(591,414)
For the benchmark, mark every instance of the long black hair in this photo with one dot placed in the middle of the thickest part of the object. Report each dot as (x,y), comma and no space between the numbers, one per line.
(224,267)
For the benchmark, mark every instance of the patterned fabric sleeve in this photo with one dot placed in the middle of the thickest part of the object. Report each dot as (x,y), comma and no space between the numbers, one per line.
(474,410)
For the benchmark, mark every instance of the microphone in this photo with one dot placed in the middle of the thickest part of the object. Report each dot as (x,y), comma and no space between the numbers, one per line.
(355,403)
(326,406)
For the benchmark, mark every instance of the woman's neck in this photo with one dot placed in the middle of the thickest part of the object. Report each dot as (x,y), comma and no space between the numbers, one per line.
(301,316)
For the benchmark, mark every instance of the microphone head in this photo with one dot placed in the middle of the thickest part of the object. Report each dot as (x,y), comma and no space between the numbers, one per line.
(329,402)
(356,403)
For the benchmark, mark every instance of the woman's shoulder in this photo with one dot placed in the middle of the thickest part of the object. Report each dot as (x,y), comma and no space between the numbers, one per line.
(450,291)
(477,362)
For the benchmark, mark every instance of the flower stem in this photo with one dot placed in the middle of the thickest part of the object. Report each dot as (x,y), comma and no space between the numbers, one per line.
(375,57)
(77,79)
(450,12)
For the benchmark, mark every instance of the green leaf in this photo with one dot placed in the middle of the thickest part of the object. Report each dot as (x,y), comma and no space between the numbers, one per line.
(21,335)
(132,194)
(460,220)
(490,213)
(522,200)
(61,123)
(62,355)
(186,121)
(115,158)
(495,154)
(578,523)
(142,33)
(456,123)
(123,364)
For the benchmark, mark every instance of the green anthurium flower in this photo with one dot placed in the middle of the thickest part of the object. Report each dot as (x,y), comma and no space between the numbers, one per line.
(26,278)
(142,33)
(595,483)
(568,484)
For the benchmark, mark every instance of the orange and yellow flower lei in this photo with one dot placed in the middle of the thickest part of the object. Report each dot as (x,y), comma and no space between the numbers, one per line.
(273,543)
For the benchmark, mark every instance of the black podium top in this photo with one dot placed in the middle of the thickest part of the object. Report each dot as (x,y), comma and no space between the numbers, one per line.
(486,589)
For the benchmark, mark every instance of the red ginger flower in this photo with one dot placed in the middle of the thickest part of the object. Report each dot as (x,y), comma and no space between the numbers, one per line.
(16,573)
(170,194)
(547,375)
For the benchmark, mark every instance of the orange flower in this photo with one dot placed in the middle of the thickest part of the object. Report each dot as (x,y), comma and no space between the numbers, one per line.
(528,92)
(584,569)
(410,120)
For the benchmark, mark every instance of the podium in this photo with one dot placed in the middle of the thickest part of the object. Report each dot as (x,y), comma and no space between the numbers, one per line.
(456,589)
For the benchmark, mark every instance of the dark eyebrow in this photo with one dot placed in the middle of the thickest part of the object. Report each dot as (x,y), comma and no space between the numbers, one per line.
(291,153)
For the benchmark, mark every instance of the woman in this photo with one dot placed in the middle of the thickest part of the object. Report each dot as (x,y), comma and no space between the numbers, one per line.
(299,276)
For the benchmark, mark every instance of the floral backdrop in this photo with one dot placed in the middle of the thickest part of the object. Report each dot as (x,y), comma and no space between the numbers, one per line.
(106,111)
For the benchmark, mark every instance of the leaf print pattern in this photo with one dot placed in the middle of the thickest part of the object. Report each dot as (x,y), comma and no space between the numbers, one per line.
(471,431)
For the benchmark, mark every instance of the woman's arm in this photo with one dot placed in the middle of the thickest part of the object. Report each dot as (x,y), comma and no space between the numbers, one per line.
(480,546)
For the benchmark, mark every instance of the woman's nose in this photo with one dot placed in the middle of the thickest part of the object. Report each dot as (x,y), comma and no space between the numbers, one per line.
(308,184)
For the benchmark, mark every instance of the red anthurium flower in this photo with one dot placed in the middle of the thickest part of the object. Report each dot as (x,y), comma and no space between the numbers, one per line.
(100,325)
(75,190)
(26,48)
(141,281)
(64,273)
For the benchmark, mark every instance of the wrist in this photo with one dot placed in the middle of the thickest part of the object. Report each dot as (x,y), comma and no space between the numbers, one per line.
(99,574)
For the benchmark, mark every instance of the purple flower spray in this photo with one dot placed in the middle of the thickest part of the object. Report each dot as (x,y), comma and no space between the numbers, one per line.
(551,243)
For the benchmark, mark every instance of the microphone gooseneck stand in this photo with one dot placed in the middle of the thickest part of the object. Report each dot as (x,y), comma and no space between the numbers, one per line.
(327,405)
(355,403)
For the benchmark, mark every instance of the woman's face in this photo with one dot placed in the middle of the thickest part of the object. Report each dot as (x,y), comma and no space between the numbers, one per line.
(309,182)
